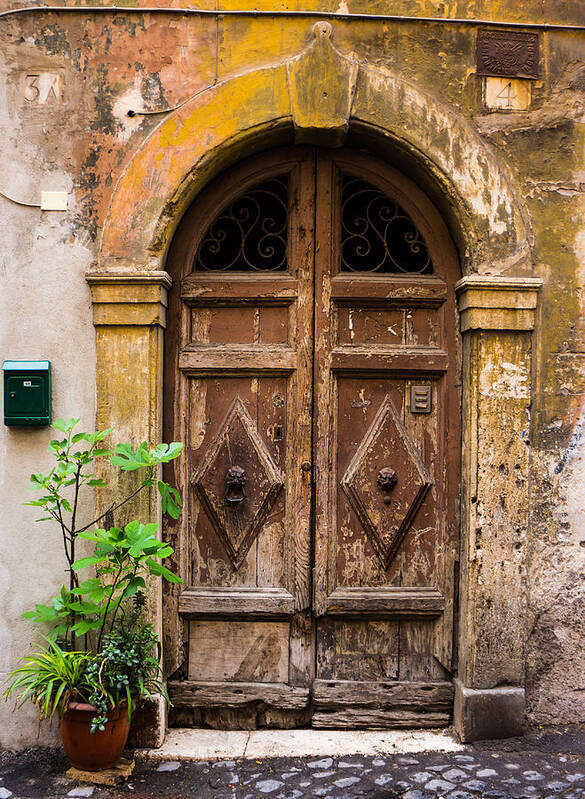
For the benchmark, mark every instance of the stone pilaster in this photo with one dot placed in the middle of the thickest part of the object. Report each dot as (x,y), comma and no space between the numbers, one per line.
(497,319)
(129,311)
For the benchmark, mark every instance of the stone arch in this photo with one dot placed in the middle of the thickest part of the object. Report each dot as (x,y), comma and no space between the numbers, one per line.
(314,96)
(322,97)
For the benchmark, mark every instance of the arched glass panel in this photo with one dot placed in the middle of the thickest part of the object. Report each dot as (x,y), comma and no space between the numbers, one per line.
(377,234)
(250,234)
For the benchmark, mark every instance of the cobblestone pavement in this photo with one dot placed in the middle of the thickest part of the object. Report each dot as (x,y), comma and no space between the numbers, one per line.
(545,767)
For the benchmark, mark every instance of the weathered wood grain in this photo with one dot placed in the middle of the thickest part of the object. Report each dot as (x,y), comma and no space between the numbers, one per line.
(176,390)
(240,651)
(236,601)
(299,454)
(340,694)
(386,601)
(191,693)
(369,719)
(426,291)
(417,661)
(198,289)
(195,359)
(427,360)
(247,336)
(360,325)
(357,649)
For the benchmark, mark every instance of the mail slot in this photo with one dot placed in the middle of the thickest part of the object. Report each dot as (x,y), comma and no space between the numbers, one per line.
(27,392)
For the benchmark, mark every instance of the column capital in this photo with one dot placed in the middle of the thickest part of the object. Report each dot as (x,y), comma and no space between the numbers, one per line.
(492,302)
(129,298)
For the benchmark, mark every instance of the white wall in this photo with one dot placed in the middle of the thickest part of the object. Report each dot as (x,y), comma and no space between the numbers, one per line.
(45,313)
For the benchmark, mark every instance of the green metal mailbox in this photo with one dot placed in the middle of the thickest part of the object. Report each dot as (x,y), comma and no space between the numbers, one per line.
(27,392)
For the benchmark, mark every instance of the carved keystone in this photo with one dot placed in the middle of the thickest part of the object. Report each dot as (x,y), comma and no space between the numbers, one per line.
(321,83)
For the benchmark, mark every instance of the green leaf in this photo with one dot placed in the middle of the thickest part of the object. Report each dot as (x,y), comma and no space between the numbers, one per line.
(132,528)
(59,604)
(95,481)
(159,570)
(148,529)
(83,563)
(134,585)
(103,548)
(170,499)
(65,426)
(56,446)
(141,538)
(84,607)
(128,460)
(60,424)
(101,570)
(58,695)
(90,535)
(167,452)
(41,613)
(87,585)
(65,468)
(86,625)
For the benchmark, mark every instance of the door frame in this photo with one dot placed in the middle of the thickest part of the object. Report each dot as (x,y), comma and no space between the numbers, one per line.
(418,617)
(497,301)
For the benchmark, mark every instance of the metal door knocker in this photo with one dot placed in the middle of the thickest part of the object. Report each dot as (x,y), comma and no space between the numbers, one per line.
(234,485)
(387,479)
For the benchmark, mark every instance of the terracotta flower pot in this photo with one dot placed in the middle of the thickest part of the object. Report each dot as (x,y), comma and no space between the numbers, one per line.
(100,750)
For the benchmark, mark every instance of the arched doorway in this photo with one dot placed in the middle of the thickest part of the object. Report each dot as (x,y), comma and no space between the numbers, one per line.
(312,367)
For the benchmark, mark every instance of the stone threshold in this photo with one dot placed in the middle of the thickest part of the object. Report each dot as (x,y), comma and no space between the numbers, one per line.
(203,744)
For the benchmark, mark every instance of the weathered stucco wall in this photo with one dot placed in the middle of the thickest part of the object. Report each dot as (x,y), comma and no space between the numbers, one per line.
(46,313)
(79,138)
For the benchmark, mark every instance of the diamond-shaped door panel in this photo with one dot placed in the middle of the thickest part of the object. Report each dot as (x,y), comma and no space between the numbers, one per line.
(237,482)
(386,482)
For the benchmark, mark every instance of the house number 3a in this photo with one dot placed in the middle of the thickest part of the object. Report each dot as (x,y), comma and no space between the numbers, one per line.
(42,87)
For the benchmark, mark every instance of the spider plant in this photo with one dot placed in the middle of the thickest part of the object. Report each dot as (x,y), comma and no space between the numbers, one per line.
(50,678)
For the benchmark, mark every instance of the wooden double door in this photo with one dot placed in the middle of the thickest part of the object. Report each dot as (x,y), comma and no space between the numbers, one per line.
(312,371)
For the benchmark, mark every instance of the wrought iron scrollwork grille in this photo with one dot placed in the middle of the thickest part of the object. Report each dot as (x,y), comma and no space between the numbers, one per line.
(250,234)
(377,234)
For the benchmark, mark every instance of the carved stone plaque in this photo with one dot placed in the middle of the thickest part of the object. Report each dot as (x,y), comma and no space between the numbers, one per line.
(42,88)
(386,482)
(507,54)
(237,482)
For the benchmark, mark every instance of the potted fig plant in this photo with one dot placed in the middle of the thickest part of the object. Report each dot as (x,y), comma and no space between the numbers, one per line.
(100,655)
